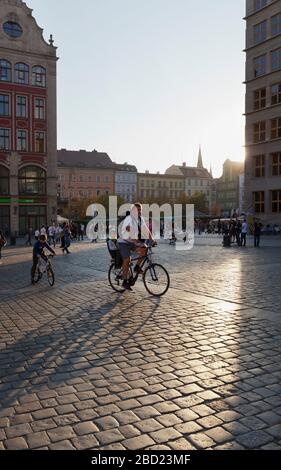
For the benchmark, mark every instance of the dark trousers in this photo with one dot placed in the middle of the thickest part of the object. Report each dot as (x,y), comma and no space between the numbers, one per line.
(243,239)
(257,240)
(35,262)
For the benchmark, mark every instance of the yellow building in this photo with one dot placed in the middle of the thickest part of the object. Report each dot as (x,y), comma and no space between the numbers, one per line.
(158,187)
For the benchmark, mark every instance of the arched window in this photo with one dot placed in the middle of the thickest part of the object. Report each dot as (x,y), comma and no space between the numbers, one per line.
(32,180)
(39,76)
(4,181)
(5,71)
(22,73)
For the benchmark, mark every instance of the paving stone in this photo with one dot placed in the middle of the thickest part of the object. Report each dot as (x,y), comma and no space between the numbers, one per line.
(219,435)
(129,431)
(138,443)
(109,436)
(107,422)
(62,445)
(17,443)
(254,439)
(148,425)
(270,418)
(146,412)
(169,419)
(37,439)
(201,440)
(126,417)
(181,444)
(165,435)
(17,431)
(188,427)
(85,428)
(209,422)
(61,433)
(87,442)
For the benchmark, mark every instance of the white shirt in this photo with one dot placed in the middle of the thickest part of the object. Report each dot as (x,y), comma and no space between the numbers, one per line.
(244,227)
(133,232)
(43,231)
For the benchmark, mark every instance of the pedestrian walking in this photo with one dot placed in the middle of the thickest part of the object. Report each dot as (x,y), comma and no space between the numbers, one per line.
(3,242)
(257,234)
(52,234)
(244,232)
(67,239)
(29,237)
(37,234)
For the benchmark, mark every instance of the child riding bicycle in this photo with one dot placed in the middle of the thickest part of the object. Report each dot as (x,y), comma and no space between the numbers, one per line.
(38,252)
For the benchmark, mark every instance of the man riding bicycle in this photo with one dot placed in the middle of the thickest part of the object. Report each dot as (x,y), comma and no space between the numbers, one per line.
(134,232)
(38,251)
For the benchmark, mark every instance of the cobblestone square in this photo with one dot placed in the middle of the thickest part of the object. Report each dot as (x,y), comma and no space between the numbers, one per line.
(83,367)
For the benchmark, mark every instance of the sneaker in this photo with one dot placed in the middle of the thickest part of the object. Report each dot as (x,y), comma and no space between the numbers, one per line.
(126,285)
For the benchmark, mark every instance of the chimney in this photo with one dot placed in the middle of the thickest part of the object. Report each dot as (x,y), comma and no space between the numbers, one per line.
(147,172)
(184,164)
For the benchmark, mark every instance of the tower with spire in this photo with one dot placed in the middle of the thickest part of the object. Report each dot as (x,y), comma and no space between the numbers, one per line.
(200,160)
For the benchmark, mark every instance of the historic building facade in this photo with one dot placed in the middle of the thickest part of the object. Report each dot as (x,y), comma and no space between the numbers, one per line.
(126,182)
(196,179)
(229,188)
(263,110)
(84,175)
(159,187)
(28,142)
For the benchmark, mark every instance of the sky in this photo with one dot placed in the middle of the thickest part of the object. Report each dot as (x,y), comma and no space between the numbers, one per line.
(148,81)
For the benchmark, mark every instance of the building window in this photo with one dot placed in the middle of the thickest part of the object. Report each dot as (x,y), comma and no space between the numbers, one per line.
(22,74)
(258,4)
(259,131)
(276,201)
(21,106)
(4,181)
(39,108)
(276,24)
(39,76)
(4,105)
(32,180)
(260,32)
(276,128)
(40,142)
(259,202)
(260,98)
(276,93)
(276,59)
(260,65)
(259,166)
(98,179)
(14,30)
(276,163)
(5,71)
(22,141)
(4,139)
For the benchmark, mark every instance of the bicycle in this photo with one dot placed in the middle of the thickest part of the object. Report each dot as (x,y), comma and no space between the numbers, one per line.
(43,268)
(155,276)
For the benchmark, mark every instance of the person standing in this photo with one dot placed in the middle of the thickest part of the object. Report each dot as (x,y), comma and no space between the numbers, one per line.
(257,234)
(37,234)
(244,232)
(29,237)
(82,230)
(52,234)
(238,233)
(3,243)
(67,239)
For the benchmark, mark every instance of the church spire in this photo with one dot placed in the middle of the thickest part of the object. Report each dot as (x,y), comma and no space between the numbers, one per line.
(211,171)
(200,160)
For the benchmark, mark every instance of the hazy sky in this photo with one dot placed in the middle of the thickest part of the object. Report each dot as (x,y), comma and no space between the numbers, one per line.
(147,81)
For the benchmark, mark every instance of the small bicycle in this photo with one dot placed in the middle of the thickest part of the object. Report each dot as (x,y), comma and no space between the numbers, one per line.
(156,278)
(45,267)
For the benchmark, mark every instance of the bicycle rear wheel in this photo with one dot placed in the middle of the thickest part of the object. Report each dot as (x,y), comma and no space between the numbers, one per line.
(115,279)
(50,276)
(156,280)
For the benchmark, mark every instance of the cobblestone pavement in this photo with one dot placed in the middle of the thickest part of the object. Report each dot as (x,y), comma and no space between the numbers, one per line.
(82,367)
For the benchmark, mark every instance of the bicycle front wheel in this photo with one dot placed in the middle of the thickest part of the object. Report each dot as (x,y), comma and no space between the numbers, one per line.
(156,280)
(115,279)
(50,276)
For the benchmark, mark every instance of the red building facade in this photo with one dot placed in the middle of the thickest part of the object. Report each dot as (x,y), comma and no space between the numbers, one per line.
(28,163)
